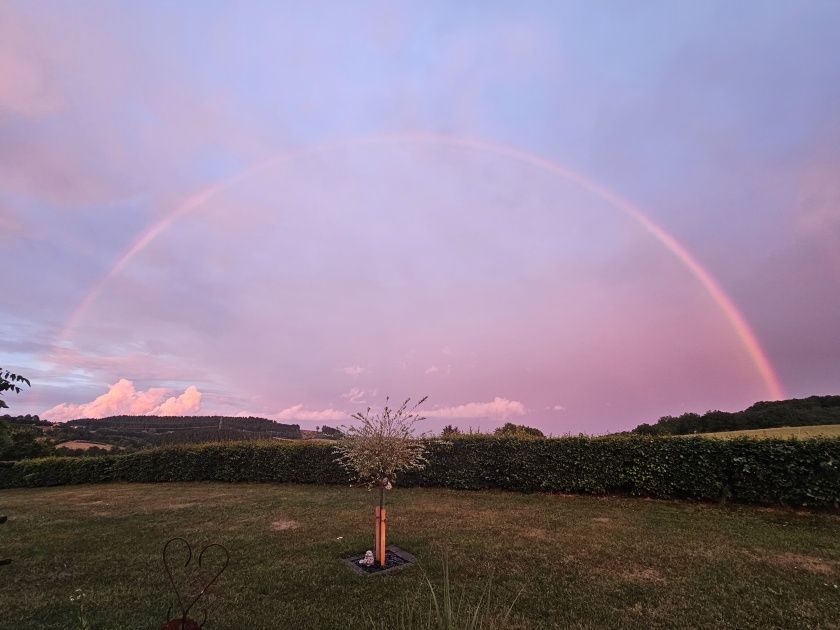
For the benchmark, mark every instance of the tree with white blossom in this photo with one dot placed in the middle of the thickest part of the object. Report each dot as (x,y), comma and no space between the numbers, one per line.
(378,447)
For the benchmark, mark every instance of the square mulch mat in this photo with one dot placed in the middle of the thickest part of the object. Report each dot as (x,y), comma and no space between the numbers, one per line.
(395,558)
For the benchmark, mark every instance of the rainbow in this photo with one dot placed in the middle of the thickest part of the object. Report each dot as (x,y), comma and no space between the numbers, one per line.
(727,307)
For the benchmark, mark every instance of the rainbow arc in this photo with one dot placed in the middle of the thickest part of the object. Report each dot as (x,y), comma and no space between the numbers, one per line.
(724,303)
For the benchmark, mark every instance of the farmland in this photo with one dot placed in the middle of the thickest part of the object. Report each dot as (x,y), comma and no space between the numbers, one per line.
(780,433)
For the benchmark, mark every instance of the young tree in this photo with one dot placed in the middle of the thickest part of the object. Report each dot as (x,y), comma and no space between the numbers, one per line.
(380,446)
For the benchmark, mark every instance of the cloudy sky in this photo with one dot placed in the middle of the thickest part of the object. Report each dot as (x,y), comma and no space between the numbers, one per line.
(575,215)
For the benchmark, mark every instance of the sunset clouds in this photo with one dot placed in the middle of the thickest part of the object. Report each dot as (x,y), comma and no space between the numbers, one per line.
(299,412)
(123,399)
(496,408)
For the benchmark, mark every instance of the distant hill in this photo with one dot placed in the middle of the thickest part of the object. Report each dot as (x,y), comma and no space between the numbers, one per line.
(137,431)
(796,412)
(23,437)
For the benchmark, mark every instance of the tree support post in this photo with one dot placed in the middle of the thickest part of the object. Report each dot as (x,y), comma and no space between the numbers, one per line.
(379,538)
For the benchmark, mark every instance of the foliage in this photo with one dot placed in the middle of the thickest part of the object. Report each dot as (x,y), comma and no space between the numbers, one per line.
(518,430)
(24,444)
(450,431)
(767,472)
(144,431)
(27,419)
(331,432)
(10,382)
(383,444)
(448,610)
(93,451)
(795,412)
(21,441)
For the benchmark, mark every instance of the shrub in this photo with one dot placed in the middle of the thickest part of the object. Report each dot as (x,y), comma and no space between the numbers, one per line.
(767,472)
(518,430)
(56,471)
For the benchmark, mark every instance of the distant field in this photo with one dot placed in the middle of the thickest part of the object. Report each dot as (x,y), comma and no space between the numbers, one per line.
(576,562)
(824,430)
(81,445)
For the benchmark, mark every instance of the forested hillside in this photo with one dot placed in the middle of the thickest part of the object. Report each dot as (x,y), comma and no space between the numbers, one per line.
(154,430)
(795,412)
(29,436)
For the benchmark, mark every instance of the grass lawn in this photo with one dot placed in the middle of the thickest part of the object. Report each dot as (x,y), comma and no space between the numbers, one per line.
(577,561)
(817,430)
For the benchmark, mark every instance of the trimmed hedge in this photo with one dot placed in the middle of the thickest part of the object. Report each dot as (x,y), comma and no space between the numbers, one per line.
(768,472)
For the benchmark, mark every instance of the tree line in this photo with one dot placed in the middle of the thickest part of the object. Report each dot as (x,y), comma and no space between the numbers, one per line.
(795,412)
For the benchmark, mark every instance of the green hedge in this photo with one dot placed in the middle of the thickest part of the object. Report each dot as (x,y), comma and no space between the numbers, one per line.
(788,472)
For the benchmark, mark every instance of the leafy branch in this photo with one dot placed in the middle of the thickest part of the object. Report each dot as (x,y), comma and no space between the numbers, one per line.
(10,382)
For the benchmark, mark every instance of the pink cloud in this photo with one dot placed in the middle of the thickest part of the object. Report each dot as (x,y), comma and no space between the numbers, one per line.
(297,412)
(353,370)
(497,408)
(24,85)
(123,399)
(188,402)
(355,395)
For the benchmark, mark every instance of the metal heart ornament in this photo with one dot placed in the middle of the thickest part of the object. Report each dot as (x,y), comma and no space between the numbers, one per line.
(184,622)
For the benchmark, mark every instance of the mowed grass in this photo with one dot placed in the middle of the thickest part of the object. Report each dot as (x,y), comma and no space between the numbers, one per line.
(575,562)
(781,433)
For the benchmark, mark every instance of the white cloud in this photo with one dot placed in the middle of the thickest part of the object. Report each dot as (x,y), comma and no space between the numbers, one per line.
(355,395)
(298,412)
(497,408)
(352,370)
(557,408)
(123,399)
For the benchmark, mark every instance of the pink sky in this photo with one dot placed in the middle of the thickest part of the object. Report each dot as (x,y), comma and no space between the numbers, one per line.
(204,217)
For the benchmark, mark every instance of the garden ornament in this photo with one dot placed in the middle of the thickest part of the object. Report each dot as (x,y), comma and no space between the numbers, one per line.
(367,561)
(184,622)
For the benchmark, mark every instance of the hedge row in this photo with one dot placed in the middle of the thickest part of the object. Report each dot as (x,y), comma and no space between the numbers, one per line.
(769,472)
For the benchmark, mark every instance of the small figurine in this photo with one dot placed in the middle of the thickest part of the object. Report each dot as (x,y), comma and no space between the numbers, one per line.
(367,561)
(386,483)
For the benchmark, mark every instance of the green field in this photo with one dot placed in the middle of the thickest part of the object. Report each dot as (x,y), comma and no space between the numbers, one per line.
(575,561)
(784,433)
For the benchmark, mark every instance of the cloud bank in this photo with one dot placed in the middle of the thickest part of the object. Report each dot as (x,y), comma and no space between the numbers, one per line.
(497,408)
(123,399)
(298,412)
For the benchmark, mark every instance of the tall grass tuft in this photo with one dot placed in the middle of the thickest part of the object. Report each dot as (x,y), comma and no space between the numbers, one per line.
(429,609)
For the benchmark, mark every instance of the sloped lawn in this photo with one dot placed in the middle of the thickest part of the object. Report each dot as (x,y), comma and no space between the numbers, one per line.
(572,561)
